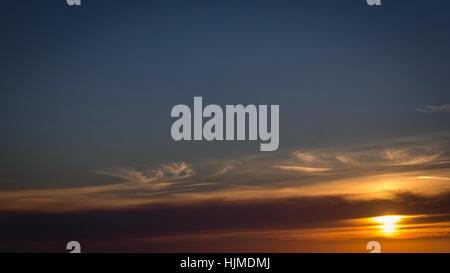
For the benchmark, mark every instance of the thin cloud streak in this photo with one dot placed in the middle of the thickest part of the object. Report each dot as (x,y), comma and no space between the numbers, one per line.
(302,169)
(435,109)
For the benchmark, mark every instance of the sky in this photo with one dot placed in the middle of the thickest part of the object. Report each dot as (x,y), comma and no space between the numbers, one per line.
(86,151)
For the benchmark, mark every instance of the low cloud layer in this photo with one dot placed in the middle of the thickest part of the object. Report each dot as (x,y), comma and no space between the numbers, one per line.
(140,228)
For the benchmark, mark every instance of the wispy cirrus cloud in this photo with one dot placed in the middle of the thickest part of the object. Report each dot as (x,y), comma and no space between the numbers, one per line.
(372,170)
(434,108)
(400,152)
(306,156)
(410,157)
(128,192)
(153,179)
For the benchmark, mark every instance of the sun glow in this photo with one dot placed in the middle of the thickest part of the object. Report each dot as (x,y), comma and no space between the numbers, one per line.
(389,223)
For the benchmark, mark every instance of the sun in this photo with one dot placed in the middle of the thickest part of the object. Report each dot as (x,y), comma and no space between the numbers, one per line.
(389,223)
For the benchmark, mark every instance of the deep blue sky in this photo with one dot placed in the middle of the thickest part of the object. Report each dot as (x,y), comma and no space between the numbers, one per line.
(91,87)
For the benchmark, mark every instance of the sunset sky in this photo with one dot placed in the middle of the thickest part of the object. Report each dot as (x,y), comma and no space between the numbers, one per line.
(87,155)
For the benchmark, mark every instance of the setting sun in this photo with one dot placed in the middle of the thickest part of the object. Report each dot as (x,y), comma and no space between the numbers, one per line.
(388,223)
